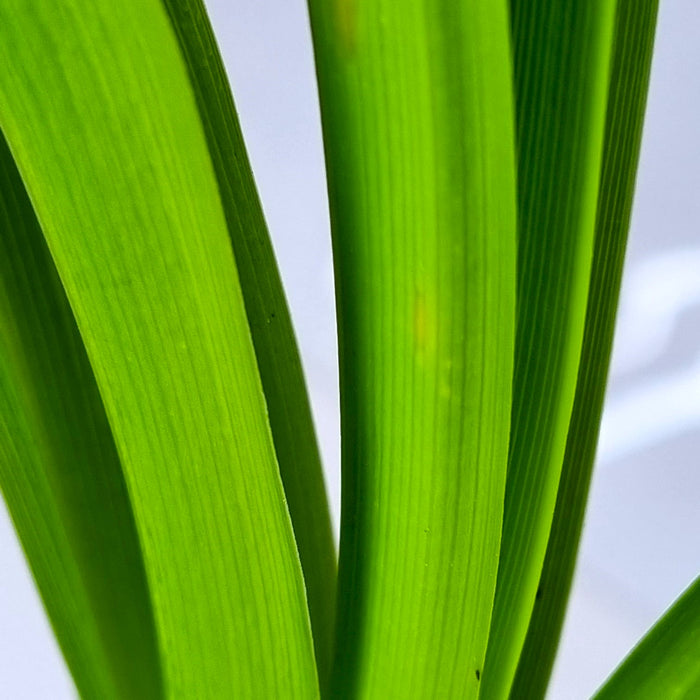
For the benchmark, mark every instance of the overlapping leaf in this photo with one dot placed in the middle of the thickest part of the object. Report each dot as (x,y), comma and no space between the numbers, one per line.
(561,55)
(634,38)
(104,127)
(269,321)
(60,473)
(178,347)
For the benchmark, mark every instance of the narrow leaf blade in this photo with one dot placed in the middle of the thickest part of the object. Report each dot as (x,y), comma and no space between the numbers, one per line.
(666,663)
(561,64)
(270,323)
(633,45)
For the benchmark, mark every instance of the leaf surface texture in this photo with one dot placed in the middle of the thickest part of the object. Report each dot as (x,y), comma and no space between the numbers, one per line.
(103,123)
(561,57)
(418,127)
(60,473)
(629,80)
(269,321)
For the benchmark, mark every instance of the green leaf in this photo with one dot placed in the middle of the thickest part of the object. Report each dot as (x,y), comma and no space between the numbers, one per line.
(629,80)
(666,663)
(417,116)
(269,321)
(561,64)
(60,473)
(103,124)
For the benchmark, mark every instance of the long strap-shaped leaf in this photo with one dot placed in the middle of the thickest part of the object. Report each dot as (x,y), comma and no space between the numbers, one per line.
(59,470)
(561,64)
(269,321)
(102,121)
(629,80)
(417,115)
(666,663)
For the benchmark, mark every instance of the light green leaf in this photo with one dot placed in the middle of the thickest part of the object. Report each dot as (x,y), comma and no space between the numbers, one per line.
(103,124)
(417,116)
(629,80)
(269,321)
(60,473)
(666,663)
(561,57)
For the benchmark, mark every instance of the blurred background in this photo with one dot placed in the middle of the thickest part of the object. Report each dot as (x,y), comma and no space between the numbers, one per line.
(641,544)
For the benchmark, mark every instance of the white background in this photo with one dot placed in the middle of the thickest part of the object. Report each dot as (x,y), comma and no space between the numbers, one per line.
(641,544)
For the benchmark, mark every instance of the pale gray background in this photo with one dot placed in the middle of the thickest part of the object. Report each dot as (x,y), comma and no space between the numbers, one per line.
(642,538)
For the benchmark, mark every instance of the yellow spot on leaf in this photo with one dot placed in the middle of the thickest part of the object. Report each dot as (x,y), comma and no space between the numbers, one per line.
(424,327)
(346,23)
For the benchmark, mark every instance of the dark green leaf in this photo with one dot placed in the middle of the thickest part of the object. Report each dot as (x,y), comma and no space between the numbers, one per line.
(633,44)
(561,57)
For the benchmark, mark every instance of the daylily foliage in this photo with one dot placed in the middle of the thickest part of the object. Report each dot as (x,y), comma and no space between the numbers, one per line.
(157,452)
